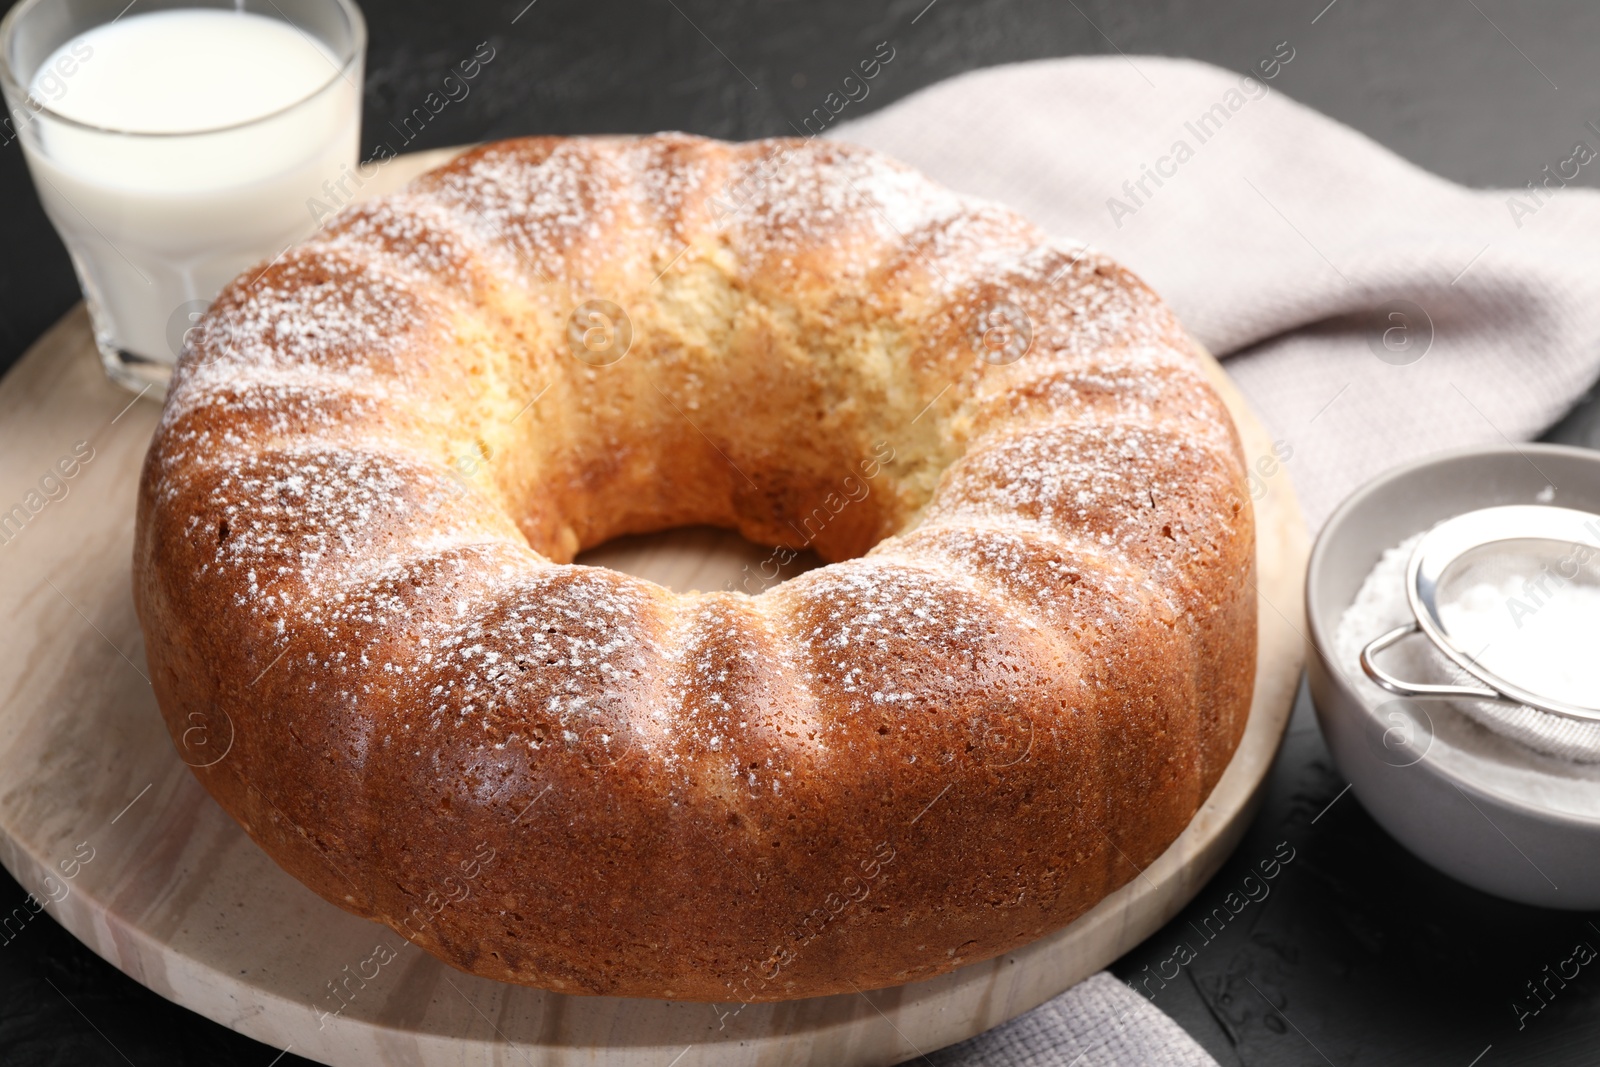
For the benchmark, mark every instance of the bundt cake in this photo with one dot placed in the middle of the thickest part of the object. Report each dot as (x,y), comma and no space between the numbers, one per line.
(1027,661)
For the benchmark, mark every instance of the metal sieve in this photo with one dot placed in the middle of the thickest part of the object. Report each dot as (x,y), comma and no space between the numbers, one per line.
(1538,550)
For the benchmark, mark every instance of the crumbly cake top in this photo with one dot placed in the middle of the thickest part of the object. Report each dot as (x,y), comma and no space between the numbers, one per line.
(385,447)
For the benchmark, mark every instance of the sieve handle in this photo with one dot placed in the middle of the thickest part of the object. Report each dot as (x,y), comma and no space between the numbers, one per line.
(1421,690)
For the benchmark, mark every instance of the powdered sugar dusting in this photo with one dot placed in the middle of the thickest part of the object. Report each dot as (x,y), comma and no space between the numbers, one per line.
(415,237)
(887,632)
(374,439)
(313,309)
(550,213)
(301,455)
(1154,496)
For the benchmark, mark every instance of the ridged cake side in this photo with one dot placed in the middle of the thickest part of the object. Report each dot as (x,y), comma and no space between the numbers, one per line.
(1028,665)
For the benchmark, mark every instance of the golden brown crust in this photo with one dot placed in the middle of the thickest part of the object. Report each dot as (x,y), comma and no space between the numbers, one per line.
(1026,669)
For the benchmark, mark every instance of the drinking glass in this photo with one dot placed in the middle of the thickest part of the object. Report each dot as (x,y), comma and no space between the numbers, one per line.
(157,222)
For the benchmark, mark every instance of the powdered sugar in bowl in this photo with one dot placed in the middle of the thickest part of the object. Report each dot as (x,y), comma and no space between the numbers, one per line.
(1472,583)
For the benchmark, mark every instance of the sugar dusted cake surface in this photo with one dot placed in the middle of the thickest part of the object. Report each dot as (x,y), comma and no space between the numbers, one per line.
(1021,673)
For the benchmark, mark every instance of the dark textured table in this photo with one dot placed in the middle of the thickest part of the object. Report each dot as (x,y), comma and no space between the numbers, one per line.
(1356,953)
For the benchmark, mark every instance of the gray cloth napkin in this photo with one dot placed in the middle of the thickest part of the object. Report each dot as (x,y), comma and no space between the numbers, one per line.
(1370,311)
(1099,1022)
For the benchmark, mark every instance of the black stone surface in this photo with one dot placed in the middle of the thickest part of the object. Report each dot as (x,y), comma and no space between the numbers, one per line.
(1358,954)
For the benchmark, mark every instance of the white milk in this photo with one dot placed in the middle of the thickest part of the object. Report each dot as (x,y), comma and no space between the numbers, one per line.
(170,197)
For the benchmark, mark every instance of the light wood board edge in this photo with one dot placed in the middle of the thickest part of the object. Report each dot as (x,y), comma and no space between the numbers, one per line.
(57,396)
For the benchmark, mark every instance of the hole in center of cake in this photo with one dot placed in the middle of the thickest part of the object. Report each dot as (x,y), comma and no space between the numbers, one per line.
(700,559)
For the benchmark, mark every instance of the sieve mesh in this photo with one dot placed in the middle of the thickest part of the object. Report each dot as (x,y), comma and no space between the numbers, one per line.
(1528,611)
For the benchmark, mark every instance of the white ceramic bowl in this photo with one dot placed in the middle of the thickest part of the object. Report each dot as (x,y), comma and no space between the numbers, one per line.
(1438,782)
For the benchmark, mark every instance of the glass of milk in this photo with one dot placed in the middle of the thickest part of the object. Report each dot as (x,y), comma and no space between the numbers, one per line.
(176,144)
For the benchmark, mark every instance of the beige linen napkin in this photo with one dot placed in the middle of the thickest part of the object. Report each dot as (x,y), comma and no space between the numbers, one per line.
(1370,311)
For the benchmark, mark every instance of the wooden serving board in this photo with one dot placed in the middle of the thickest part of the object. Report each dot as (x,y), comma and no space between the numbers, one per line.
(102,821)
